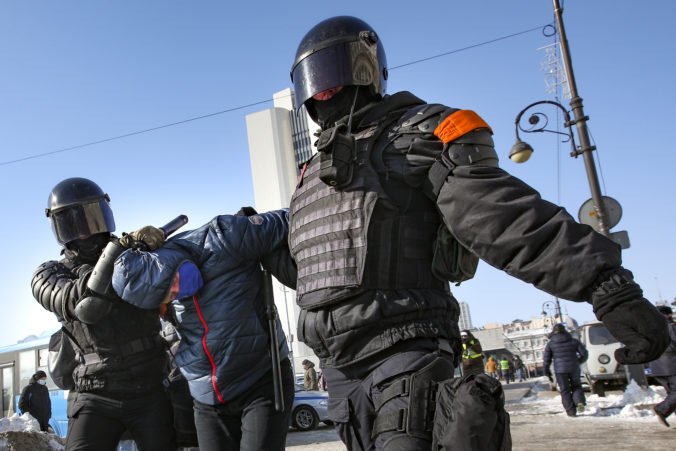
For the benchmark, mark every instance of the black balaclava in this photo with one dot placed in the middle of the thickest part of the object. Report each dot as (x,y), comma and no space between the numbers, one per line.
(87,250)
(327,112)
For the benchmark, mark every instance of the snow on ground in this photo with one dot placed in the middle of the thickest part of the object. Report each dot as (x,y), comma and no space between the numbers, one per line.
(18,422)
(23,432)
(634,404)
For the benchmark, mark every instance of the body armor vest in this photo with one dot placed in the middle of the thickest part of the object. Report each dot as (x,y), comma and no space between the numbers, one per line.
(122,353)
(371,233)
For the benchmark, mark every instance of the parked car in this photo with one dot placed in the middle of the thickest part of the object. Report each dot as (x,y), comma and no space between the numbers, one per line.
(601,369)
(310,407)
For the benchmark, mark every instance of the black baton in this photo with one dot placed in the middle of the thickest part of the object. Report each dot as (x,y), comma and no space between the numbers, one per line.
(173,225)
(271,315)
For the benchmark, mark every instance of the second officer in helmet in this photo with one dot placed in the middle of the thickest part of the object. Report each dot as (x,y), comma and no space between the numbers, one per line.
(402,197)
(117,384)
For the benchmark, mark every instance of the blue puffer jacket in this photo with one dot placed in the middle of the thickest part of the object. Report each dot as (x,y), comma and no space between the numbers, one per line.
(224,339)
(567,352)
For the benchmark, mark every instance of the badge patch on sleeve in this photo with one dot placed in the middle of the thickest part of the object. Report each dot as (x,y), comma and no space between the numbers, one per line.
(458,124)
(255,220)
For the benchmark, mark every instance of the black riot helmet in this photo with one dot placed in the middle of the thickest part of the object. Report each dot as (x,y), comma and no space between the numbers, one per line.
(78,208)
(340,51)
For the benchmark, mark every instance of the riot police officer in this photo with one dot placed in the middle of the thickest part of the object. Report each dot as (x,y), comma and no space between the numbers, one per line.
(121,356)
(400,198)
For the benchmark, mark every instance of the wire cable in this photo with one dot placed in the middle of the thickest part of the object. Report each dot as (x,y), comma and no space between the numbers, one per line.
(126,135)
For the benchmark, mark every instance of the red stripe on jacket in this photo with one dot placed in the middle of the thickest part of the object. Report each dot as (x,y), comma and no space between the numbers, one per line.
(206,350)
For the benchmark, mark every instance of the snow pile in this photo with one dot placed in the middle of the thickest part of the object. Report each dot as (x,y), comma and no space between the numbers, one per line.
(635,403)
(22,432)
(18,422)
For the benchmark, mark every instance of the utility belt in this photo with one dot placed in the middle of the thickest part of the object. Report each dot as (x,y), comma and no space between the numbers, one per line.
(126,350)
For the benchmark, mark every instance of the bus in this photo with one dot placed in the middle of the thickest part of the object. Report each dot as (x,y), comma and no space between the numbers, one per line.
(18,362)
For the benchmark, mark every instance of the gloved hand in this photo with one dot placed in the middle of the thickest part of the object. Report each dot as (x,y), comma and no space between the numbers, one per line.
(246,211)
(549,375)
(619,303)
(151,237)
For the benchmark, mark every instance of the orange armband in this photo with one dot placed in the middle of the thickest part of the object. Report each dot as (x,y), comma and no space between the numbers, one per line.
(458,124)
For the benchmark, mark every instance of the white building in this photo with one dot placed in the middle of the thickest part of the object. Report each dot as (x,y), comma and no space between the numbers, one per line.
(465,320)
(279,141)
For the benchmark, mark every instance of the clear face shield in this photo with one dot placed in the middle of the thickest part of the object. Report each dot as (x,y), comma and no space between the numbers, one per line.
(82,220)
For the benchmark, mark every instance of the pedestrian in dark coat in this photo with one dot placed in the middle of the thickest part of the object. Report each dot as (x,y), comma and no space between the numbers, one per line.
(35,400)
(568,353)
(519,367)
(664,371)
(472,359)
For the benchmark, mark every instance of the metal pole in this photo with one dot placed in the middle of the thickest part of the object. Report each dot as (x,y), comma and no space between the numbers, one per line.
(288,327)
(580,121)
(558,309)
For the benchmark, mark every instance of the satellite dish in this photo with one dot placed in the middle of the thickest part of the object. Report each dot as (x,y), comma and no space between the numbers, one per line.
(587,213)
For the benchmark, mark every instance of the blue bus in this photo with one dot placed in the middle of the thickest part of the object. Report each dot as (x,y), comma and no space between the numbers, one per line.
(18,362)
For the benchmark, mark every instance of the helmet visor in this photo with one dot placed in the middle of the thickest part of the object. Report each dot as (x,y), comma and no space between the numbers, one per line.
(82,220)
(345,64)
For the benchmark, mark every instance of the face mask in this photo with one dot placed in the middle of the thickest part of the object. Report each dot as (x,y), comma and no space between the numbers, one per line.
(42,381)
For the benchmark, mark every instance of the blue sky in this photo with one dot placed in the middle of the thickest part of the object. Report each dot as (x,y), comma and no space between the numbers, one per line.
(75,72)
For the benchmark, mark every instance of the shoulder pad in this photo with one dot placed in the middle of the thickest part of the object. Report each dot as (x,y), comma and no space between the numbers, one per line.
(424,118)
(459,123)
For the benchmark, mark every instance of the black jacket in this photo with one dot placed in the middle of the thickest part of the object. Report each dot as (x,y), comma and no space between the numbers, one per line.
(567,352)
(35,400)
(498,217)
(666,364)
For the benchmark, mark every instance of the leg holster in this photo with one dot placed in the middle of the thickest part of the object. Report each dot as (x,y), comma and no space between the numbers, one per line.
(417,419)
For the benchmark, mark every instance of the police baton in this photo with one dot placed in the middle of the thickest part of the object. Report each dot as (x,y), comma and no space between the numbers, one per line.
(271,315)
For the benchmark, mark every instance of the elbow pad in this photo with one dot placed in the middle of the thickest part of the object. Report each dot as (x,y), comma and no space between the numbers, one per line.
(53,286)
(473,148)
(93,309)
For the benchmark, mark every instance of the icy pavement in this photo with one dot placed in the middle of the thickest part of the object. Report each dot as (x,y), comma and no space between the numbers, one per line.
(619,421)
(634,404)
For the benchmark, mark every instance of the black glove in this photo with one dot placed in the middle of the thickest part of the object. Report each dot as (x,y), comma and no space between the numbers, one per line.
(618,301)
(246,211)
(549,375)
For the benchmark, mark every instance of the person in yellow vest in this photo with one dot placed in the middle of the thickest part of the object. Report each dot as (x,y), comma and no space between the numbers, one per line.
(504,368)
(472,359)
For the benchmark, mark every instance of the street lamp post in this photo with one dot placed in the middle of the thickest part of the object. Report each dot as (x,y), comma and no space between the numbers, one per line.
(552,306)
(521,151)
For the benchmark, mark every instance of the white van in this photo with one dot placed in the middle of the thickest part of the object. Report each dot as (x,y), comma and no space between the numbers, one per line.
(601,369)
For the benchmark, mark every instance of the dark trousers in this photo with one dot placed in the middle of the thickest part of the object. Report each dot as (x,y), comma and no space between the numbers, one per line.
(570,389)
(353,391)
(250,421)
(668,406)
(96,423)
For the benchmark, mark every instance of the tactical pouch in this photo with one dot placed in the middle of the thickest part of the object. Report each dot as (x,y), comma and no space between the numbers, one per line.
(62,359)
(470,415)
(336,156)
(451,260)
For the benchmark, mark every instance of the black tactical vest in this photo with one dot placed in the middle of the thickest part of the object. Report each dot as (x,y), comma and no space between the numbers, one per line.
(123,353)
(373,233)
